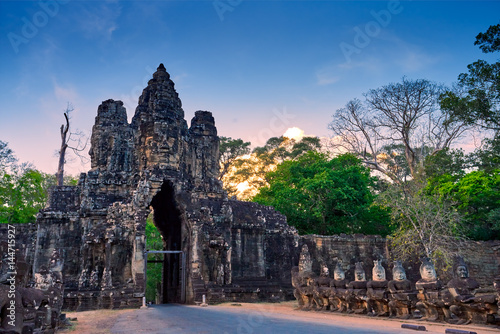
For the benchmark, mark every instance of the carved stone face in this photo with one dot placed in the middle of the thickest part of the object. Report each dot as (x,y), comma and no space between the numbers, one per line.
(359,275)
(462,272)
(339,274)
(428,272)
(399,275)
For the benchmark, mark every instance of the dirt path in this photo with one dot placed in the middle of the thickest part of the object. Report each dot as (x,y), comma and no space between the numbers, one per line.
(93,322)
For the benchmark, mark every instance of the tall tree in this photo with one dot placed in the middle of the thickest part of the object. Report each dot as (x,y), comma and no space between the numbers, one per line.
(75,141)
(475,196)
(396,127)
(477,99)
(229,150)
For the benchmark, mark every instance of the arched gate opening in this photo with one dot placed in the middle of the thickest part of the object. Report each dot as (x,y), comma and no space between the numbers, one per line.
(167,218)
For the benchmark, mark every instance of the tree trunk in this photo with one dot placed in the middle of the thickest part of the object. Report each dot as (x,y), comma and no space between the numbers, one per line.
(62,152)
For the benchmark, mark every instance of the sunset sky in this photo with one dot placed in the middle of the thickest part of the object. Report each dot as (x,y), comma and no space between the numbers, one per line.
(260,67)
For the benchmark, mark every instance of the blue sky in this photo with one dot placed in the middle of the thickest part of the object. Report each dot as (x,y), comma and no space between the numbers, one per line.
(260,66)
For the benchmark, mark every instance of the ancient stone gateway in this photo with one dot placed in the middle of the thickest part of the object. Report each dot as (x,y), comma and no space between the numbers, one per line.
(157,164)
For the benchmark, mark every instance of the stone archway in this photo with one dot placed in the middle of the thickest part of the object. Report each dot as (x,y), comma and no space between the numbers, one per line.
(169,221)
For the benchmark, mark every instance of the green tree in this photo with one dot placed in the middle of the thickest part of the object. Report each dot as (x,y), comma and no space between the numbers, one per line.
(22,195)
(325,196)
(487,157)
(23,189)
(476,197)
(7,157)
(447,161)
(477,97)
(229,150)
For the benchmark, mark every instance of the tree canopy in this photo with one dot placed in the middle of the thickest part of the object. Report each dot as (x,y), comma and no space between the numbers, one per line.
(23,189)
(477,97)
(395,127)
(325,196)
(246,173)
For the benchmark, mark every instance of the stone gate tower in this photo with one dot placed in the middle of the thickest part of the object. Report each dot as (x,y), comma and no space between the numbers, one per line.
(158,164)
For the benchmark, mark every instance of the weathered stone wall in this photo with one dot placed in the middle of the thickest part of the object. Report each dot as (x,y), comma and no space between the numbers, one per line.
(348,249)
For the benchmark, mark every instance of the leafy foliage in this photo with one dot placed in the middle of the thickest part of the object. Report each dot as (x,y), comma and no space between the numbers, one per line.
(23,189)
(476,197)
(248,173)
(478,98)
(22,195)
(7,157)
(154,241)
(324,196)
(230,150)
(447,161)
(489,41)
(487,157)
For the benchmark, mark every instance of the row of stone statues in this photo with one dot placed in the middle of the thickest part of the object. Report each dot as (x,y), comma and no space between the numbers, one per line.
(429,299)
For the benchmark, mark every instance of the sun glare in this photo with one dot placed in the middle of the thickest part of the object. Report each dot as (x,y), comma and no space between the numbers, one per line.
(294,133)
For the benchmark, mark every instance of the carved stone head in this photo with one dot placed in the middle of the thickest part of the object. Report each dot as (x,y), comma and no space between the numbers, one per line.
(359,272)
(378,272)
(427,271)
(460,268)
(462,272)
(338,273)
(398,272)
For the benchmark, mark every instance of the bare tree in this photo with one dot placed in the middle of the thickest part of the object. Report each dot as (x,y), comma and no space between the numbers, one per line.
(395,121)
(75,141)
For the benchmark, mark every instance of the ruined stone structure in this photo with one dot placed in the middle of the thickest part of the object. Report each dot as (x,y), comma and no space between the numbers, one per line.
(157,164)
